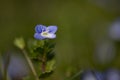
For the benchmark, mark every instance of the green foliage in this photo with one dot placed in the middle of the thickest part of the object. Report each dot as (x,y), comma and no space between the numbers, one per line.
(42,54)
(46,74)
(50,66)
(35,48)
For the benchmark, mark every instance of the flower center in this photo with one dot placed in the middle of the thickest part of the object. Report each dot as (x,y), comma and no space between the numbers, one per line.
(44,33)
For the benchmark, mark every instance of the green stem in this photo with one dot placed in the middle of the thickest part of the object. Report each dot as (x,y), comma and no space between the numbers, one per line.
(43,63)
(43,66)
(6,64)
(74,76)
(30,64)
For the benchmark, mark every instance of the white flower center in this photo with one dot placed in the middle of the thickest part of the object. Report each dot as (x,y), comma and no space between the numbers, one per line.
(44,34)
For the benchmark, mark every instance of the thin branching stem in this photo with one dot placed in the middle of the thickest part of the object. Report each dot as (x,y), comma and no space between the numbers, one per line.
(30,64)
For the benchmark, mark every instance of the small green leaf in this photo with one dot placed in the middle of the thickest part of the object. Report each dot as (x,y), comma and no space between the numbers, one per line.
(33,44)
(50,66)
(50,56)
(35,48)
(39,50)
(45,75)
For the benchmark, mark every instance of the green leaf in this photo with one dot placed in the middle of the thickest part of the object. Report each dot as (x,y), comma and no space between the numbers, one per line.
(33,44)
(50,66)
(39,50)
(35,48)
(50,56)
(45,75)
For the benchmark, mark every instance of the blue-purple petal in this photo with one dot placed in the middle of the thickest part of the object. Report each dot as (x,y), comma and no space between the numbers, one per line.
(99,75)
(51,36)
(40,28)
(112,74)
(52,29)
(38,36)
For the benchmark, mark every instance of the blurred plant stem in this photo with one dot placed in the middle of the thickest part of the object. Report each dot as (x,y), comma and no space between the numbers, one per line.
(43,66)
(43,63)
(6,64)
(30,64)
(74,76)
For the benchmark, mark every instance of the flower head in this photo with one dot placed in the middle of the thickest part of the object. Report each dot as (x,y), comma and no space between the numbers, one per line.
(43,32)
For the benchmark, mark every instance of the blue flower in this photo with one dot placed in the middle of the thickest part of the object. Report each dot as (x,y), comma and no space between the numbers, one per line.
(43,32)
(91,75)
(112,74)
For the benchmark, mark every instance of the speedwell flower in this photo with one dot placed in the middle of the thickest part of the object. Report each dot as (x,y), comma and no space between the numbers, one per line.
(43,32)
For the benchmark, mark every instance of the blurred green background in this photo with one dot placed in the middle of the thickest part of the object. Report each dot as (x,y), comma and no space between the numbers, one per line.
(81,24)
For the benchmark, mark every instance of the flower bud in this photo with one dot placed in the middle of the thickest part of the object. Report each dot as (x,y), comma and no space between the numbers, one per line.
(19,42)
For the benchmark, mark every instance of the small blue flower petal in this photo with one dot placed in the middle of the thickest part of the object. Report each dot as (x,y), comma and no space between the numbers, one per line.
(42,32)
(52,29)
(38,36)
(51,36)
(40,28)
(99,75)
